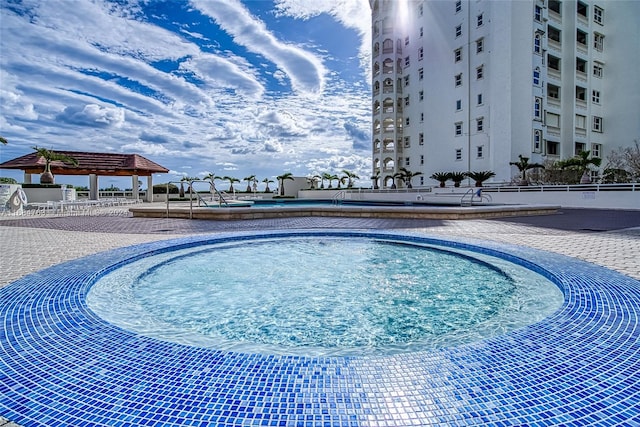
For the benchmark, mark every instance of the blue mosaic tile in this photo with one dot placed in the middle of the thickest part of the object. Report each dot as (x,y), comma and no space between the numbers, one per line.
(60,364)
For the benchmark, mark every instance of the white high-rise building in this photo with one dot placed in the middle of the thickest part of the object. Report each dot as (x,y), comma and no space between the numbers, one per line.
(471,85)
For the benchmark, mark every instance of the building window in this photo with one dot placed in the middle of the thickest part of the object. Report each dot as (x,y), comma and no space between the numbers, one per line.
(458,30)
(421,74)
(407,61)
(595,96)
(554,62)
(597,70)
(598,42)
(406,80)
(598,15)
(421,117)
(479,151)
(581,65)
(596,150)
(581,122)
(553,91)
(554,6)
(582,10)
(458,105)
(421,9)
(579,147)
(554,34)
(552,148)
(420,54)
(479,45)
(458,79)
(421,138)
(458,153)
(536,76)
(480,20)
(537,141)
(406,101)
(407,142)
(581,37)
(407,161)
(480,72)
(537,109)
(406,41)
(457,55)
(581,93)
(537,13)
(597,124)
(421,31)
(552,120)
(458,6)
(479,99)
(421,159)
(458,128)
(407,121)
(421,95)
(537,43)
(480,124)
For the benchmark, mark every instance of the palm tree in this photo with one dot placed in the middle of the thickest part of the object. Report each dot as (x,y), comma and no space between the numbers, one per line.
(480,177)
(399,176)
(267,181)
(231,181)
(331,177)
(523,166)
(327,176)
(375,179)
(249,179)
(441,177)
(350,177)
(408,176)
(457,178)
(281,179)
(51,156)
(582,163)
(313,180)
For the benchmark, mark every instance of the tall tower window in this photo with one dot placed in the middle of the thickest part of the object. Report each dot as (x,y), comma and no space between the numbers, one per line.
(597,124)
(458,127)
(598,42)
(537,46)
(457,55)
(595,96)
(458,6)
(598,15)
(480,72)
(458,30)
(479,45)
(537,109)
(537,141)
(458,79)
(480,20)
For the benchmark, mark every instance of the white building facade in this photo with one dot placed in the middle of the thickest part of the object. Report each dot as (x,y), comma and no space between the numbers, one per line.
(462,86)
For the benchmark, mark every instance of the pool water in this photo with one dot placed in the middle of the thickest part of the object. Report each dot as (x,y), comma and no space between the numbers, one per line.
(323,296)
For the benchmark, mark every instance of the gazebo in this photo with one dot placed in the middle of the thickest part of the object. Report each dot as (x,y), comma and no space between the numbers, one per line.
(93,165)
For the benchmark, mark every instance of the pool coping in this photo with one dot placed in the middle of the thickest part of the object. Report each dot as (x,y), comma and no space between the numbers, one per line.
(577,367)
(377,211)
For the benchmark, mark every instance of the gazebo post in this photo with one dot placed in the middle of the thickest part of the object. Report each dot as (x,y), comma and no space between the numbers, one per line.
(150,189)
(27,178)
(93,187)
(134,187)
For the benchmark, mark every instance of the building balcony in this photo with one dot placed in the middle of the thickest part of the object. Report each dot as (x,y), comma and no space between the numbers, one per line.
(554,74)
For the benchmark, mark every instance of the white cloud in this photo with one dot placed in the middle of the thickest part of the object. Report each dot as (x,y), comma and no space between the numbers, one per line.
(305,70)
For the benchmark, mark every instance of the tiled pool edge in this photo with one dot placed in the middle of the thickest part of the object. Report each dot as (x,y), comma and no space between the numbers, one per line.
(489,382)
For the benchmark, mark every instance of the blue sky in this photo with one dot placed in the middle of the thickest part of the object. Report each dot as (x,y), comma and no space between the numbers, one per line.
(232,87)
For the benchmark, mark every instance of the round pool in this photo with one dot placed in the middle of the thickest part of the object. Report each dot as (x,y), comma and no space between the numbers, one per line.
(322,295)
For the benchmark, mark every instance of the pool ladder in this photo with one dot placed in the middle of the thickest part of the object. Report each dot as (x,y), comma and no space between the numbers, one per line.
(338,197)
(474,195)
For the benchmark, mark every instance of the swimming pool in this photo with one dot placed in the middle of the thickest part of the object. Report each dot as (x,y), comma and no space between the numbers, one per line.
(323,296)
(62,364)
